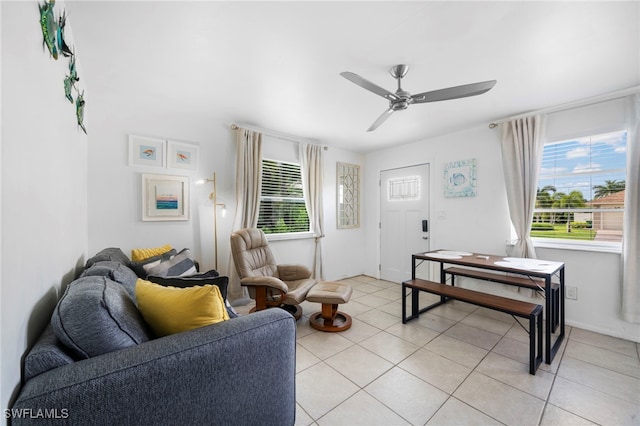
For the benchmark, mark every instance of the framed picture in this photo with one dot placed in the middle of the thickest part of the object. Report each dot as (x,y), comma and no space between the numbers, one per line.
(348,196)
(460,178)
(146,151)
(182,156)
(165,198)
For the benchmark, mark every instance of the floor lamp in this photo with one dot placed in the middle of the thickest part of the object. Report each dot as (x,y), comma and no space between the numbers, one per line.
(213,196)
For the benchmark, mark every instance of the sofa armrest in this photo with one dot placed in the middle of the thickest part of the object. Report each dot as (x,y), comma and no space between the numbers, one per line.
(272,282)
(240,371)
(293,272)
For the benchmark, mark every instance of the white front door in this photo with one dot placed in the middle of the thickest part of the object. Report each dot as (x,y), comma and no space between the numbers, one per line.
(404,206)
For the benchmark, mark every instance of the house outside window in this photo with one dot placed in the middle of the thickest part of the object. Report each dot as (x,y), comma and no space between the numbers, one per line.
(282,207)
(580,197)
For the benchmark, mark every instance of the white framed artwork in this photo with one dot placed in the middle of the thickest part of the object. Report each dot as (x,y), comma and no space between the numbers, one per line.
(146,151)
(460,178)
(165,198)
(182,156)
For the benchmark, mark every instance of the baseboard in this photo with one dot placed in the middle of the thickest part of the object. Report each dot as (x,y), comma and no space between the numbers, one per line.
(606,332)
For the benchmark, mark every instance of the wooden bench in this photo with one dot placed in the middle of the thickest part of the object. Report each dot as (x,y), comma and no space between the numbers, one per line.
(533,283)
(513,307)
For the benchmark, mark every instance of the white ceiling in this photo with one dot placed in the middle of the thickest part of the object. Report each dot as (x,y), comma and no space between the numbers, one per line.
(276,65)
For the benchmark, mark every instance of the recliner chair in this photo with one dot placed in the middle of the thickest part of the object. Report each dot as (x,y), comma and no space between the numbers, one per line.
(269,284)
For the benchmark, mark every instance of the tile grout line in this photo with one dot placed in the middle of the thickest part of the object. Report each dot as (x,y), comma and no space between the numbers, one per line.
(555,376)
(450,395)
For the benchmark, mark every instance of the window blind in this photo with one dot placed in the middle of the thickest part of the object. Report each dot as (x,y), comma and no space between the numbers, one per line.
(282,207)
(581,188)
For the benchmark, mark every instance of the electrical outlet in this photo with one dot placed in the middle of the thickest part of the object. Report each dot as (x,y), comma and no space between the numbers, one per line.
(571,292)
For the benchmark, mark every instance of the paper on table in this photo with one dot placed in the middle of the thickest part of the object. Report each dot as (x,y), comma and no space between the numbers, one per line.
(443,256)
(522,265)
(454,253)
(527,260)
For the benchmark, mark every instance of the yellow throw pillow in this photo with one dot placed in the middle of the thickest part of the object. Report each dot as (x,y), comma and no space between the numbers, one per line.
(138,255)
(170,310)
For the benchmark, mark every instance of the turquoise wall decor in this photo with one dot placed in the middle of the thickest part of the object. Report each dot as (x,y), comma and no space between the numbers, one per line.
(53,36)
(460,178)
(61,42)
(49,27)
(80,111)
(70,80)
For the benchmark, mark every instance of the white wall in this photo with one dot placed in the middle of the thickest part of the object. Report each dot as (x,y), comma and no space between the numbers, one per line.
(115,187)
(44,186)
(482,224)
(596,276)
(114,191)
(341,252)
(479,224)
(343,249)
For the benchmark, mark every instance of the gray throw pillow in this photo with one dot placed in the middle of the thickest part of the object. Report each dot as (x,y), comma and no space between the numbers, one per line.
(109,254)
(117,272)
(140,268)
(96,316)
(180,265)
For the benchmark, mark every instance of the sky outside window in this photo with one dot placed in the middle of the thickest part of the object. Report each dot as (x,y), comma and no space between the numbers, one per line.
(580,164)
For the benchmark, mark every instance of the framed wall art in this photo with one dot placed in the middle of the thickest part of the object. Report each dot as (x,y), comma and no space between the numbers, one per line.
(348,196)
(165,198)
(460,178)
(182,156)
(146,151)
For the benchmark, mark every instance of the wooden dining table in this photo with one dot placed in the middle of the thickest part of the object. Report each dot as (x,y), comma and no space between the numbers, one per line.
(534,269)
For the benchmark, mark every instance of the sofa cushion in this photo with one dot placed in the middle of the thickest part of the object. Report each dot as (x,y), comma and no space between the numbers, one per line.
(95,316)
(48,353)
(182,264)
(170,310)
(109,254)
(140,254)
(117,272)
(140,268)
(209,277)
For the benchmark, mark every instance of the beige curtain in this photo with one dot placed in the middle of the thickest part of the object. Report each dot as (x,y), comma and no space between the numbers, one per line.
(522,148)
(631,237)
(312,168)
(248,187)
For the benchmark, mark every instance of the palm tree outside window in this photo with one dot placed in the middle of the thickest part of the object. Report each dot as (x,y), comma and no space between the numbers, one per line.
(581,186)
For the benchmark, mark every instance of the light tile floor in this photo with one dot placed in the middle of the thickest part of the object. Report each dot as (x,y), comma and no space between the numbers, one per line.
(455,365)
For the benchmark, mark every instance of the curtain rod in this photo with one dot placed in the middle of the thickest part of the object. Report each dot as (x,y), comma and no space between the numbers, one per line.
(275,134)
(569,105)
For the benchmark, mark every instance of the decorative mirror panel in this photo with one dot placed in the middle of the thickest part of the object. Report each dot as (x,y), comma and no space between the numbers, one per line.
(348,196)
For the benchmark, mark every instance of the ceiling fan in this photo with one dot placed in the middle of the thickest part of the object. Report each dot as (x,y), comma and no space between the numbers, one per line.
(401,99)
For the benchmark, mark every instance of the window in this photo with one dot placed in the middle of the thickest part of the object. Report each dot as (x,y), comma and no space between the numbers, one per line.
(282,208)
(404,189)
(581,189)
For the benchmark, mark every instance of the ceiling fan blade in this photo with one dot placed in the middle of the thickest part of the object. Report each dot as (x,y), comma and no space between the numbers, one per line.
(455,92)
(366,84)
(380,120)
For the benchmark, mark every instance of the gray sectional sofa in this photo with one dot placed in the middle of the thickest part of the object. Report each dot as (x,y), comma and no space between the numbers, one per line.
(103,366)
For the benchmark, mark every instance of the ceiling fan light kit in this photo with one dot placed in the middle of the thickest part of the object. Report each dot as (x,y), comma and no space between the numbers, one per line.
(401,99)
